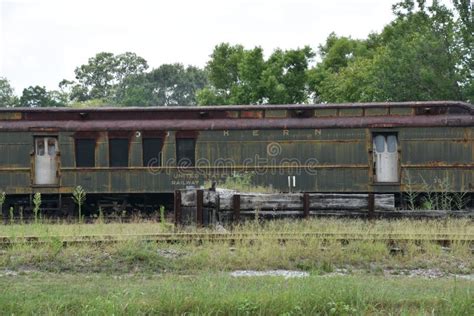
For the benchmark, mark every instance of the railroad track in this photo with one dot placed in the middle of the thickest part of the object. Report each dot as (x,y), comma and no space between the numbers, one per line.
(233,237)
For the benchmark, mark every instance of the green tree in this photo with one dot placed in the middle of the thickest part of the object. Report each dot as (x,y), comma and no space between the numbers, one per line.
(169,84)
(336,54)
(240,76)
(7,94)
(101,77)
(36,96)
(464,28)
(135,90)
(286,76)
(418,56)
(175,85)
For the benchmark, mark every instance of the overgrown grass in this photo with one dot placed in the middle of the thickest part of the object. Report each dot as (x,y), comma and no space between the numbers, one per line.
(137,277)
(99,294)
(314,255)
(356,226)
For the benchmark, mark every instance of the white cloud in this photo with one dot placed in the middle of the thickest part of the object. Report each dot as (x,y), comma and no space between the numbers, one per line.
(41,42)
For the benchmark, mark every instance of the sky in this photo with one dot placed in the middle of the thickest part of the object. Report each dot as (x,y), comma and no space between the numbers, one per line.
(43,41)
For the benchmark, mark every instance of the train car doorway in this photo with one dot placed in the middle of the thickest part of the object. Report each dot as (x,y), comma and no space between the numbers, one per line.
(386,157)
(46,162)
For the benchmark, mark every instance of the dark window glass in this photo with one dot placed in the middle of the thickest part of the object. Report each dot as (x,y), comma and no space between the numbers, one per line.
(85,152)
(185,152)
(152,151)
(118,152)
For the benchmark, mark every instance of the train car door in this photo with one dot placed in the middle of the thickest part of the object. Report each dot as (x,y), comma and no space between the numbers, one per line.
(46,163)
(386,157)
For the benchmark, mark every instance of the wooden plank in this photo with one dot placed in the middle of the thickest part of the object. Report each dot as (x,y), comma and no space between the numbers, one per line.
(271,201)
(236,207)
(294,201)
(371,205)
(177,207)
(305,205)
(199,205)
(351,201)
(188,198)
(227,215)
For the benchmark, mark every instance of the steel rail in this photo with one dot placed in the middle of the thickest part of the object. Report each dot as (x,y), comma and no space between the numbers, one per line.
(242,237)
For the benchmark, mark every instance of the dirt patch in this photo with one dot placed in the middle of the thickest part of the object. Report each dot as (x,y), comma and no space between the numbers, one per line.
(281,273)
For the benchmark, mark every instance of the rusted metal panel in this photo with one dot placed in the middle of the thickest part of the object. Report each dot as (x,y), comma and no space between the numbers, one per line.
(437,133)
(323,112)
(8,116)
(337,162)
(251,114)
(351,112)
(232,114)
(301,113)
(85,134)
(401,111)
(275,113)
(15,149)
(436,152)
(135,154)
(67,149)
(226,124)
(429,110)
(376,111)
(187,134)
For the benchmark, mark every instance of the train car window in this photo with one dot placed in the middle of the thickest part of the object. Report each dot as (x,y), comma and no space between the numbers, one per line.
(40,147)
(392,143)
(186,152)
(51,146)
(152,151)
(379,143)
(85,152)
(118,152)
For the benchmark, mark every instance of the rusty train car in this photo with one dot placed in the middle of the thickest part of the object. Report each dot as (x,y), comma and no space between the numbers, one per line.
(137,157)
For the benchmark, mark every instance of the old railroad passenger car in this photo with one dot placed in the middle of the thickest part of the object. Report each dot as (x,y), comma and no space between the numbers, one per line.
(136,157)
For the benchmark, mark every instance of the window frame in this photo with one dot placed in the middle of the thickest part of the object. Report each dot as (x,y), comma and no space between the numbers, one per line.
(117,138)
(385,133)
(160,151)
(94,141)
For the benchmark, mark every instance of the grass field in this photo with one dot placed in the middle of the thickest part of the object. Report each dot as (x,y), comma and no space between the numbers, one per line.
(138,277)
(100,294)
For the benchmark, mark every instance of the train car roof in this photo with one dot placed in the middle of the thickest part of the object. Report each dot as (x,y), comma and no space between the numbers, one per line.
(294,116)
(105,108)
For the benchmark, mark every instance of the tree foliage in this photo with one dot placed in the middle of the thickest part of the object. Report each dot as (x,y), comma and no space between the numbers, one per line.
(240,76)
(169,84)
(37,96)
(124,80)
(103,74)
(422,55)
(7,94)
